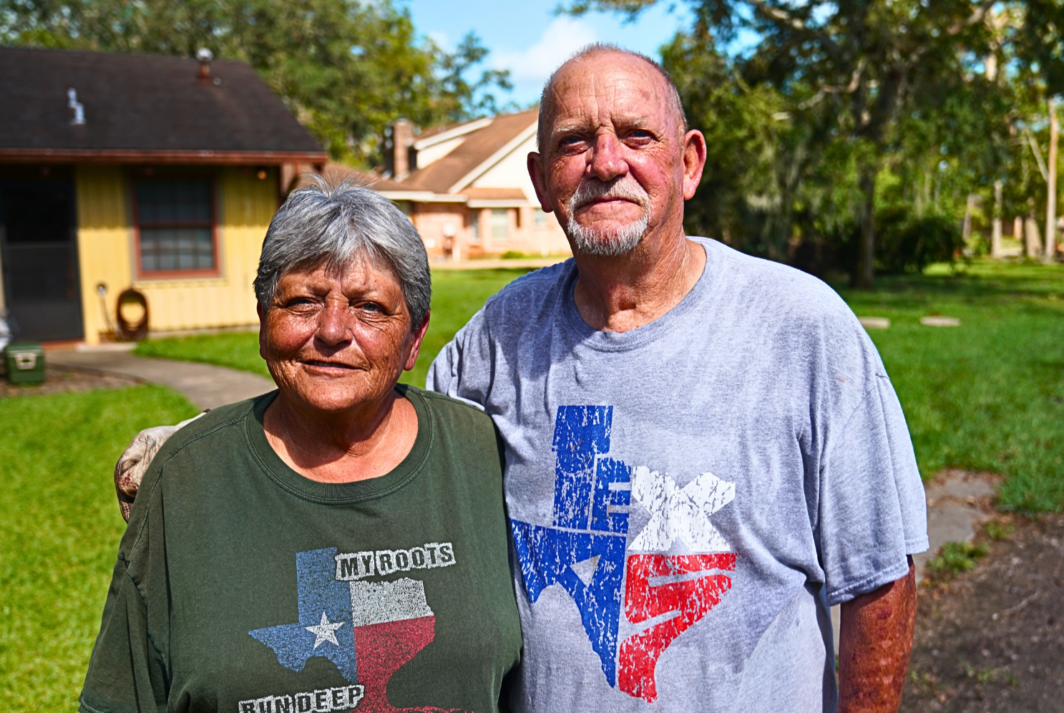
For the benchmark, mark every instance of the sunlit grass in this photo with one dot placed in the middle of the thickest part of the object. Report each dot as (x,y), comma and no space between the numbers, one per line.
(59,532)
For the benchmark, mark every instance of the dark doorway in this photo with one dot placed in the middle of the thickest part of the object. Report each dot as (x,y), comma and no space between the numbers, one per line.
(38,249)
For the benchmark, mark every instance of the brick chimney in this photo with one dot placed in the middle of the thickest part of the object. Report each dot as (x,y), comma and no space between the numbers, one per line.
(204,57)
(402,140)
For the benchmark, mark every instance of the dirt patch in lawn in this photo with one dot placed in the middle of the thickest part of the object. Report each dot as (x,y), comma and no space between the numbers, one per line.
(61,378)
(992,639)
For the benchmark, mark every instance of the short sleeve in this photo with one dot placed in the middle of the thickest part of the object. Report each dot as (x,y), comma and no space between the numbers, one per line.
(125,671)
(463,368)
(872,510)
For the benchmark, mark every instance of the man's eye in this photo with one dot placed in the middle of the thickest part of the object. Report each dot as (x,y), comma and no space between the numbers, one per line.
(370,307)
(571,142)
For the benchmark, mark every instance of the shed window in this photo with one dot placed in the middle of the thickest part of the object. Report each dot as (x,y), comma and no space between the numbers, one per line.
(175,225)
(500,224)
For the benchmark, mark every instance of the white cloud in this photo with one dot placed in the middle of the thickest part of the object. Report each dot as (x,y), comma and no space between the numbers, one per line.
(562,38)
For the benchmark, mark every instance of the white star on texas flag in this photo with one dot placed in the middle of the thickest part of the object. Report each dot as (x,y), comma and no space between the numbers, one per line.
(324,631)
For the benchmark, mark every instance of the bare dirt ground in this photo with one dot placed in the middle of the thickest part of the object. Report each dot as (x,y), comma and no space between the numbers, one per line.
(992,639)
(59,378)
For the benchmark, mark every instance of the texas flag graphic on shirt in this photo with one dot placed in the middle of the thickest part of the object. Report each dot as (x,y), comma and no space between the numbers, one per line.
(367,629)
(584,551)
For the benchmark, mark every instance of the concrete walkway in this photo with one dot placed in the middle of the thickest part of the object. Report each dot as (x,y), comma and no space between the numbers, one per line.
(205,385)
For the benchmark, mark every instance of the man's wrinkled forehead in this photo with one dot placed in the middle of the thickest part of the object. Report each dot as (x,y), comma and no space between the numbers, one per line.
(582,91)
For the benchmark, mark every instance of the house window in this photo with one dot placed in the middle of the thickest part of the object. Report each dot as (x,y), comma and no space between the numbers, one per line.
(500,224)
(474,226)
(175,225)
(539,218)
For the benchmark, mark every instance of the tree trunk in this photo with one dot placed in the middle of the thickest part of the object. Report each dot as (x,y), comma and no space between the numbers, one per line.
(1032,241)
(995,231)
(864,274)
(966,230)
(1051,187)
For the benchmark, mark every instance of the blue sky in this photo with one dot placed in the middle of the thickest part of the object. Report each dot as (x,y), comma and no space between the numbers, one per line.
(526,38)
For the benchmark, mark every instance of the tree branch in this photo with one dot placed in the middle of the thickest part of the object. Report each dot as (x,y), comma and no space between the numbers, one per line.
(782,17)
(975,18)
(1037,153)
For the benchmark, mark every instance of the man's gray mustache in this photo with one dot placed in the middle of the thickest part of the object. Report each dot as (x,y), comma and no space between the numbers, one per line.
(623,189)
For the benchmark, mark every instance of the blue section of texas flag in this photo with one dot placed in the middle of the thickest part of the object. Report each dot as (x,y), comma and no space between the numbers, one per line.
(319,593)
(583,528)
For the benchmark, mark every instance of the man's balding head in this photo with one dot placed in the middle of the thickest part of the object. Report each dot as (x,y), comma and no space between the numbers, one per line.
(547,99)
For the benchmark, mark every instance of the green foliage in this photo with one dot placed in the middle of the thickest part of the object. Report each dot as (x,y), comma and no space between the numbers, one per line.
(347,69)
(956,557)
(941,99)
(908,243)
(59,532)
(999,529)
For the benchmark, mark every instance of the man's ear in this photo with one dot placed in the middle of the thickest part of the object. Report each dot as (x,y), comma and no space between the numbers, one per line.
(535,172)
(694,160)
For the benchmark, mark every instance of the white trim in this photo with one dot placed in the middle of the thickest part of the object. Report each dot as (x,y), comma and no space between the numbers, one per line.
(495,158)
(461,130)
(500,203)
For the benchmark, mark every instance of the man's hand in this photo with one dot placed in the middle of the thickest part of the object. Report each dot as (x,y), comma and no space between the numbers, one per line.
(875,641)
(134,462)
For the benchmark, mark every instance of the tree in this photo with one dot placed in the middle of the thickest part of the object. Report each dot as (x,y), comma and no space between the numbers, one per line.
(867,57)
(347,69)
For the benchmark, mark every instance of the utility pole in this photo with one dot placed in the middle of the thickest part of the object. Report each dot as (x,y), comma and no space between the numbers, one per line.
(1051,201)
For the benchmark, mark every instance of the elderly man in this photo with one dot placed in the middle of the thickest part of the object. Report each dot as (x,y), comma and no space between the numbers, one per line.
(703,450)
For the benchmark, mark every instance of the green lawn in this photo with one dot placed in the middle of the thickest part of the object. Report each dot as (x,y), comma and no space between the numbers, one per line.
(988,395)
(59,532)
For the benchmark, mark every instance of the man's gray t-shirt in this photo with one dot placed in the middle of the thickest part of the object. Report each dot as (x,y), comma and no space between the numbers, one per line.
(688,497)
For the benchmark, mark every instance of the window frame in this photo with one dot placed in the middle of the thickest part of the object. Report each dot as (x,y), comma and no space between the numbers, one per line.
(172,274)
(503,213)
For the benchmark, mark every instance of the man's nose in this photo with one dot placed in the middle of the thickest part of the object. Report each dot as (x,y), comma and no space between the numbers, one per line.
(607,158)
(333,327)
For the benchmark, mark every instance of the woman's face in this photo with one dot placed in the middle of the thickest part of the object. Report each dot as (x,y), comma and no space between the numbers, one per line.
(337,340)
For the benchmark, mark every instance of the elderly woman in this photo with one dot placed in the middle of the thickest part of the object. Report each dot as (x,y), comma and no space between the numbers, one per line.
(337,544)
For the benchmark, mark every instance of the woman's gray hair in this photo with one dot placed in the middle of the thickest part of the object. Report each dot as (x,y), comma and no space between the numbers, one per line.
(334,225)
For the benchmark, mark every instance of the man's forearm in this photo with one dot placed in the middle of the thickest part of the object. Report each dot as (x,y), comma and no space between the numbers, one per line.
(875,641)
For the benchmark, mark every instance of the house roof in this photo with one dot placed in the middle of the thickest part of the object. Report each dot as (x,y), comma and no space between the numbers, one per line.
(445,174)
(143,107)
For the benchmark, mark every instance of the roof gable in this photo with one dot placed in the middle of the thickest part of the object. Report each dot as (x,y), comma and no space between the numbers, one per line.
(453,171)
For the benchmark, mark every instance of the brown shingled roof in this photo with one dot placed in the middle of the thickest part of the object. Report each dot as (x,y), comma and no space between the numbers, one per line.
(137,104)
(441,175)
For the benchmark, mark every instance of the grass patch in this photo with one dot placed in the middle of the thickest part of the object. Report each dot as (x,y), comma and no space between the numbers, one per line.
(59,532)
(456,296)
(956,557)
(985,396)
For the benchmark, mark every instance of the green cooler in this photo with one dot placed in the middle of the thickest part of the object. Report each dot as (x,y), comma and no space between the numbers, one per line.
(24,362)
